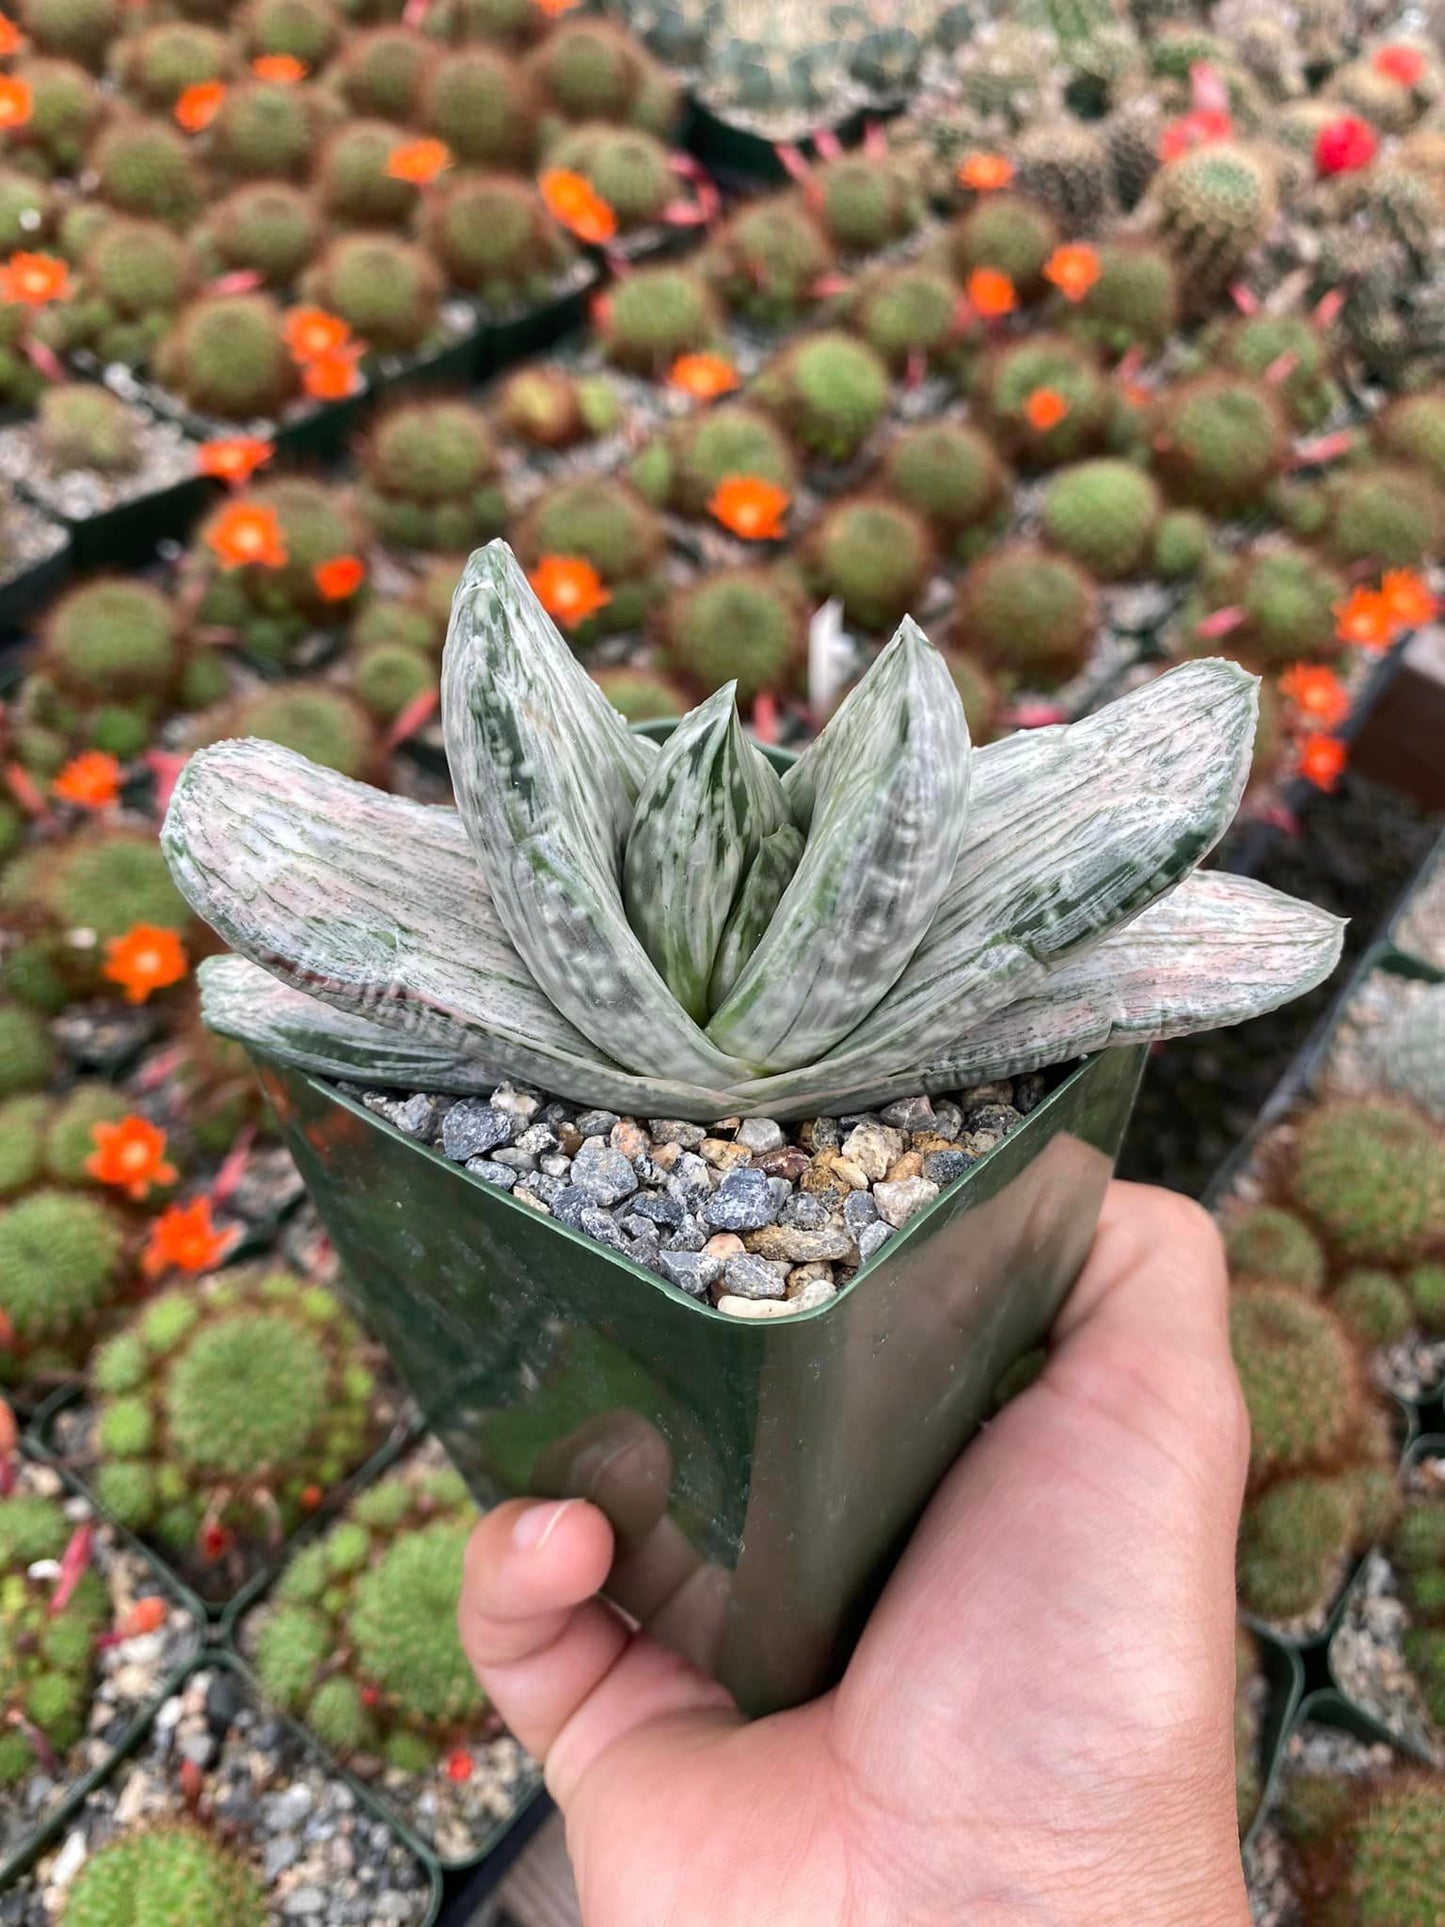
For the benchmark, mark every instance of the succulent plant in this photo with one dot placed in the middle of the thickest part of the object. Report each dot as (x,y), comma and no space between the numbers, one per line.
(1412,429)
(69,1132)
(494,237)
(1247,1677)
(1385,1862)
(627,167)
(1417,1552)
(224,1402)
(593,70)
(388,290)
(875,555)
(62,1265)
(65,104)
(1007,233)
(145,168)
(314,720)
(1293,1541)
(46,1656)
(638,696)
(381,1586)
(906,313)
(655,315)
(78,30)
(864,203)
(767,260)
(948,471)
(1134,302)
(742,626)
(1388,516)
(387,676)
(1371,1174)
(933,964)
(1375,1305)
(1274,1245)
(384,72)
(101,881)
(431,477)
(1212,207)
(479,103)
(1262,343)
(1027,612)
(732,439)
(273,608)
(158,64)
(828,390)
(133,278)
(267,130)
(80,425)
(608,524)
(544,404)
(352,180)
(1219,442)
(227,357)
(165,1876)
(1056,366)
(112,638)
(269,228)
(1103,514)
(1288,597)
(306,30)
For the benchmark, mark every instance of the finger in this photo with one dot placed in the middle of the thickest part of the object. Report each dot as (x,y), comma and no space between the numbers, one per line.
(563,1669)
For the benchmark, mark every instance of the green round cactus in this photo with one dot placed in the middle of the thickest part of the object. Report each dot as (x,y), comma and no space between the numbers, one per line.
(80,425)
(70,1131)
(864,203)
(268,228)
(737,625)
(78,30)
(1426,1286)
(62,1263)
(1263,343)
(46,1658)
(158,64)
(1008,234)
(227,356)
(388,290)
(479,103)
(628,168)
(589,70)
(946,470)
(495,238)
(316,721)
(1183,543)
(267,130)
(139,268)
(906,312)
(1275,1246)
(1371,1174)
(1288,597)
(730,440)
(388,677)
(385,71)
(542,404)
(829,391)
(65,104)
(655,315)
(767,260)
(1220,441)
(1212,207)
(638,696)
(403,1621)
(1395,1849)
(1027,612)
(1374,1304)
(1057,368)
(145,168)
(113,637)
(352,179)
(431,477)
(1293,1541)
(1412,429)
(27,1058)
(875,555)
(273,609)
(608,524)
(1300,1371)
(1133,304)
(1387,517)
(27,210)
(171,1875)
(101,881)
(22,1140)
(306,30)
(1102,513)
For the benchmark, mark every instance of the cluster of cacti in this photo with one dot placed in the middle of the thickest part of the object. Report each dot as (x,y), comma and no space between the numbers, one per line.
(608,526)
(1370,1847)
(270,604)
(234,1406)
(429,478)
(381,1586)
(47,1655)
(169,1874)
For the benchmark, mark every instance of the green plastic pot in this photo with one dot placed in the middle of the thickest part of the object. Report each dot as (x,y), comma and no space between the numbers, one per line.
(762,1475)
(1284,1675)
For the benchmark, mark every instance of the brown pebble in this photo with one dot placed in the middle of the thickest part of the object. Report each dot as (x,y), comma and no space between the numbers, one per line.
(725,1124)
(724,1245)
(931,1141)
(628,1137)
(664,1156)
(910,1165)
(790,1163)
(570,1139)
(820,1180)
(724,1154)
(853,1175)
(803,1275)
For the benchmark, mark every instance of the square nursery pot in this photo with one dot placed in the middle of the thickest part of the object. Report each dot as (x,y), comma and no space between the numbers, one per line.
(505,339)
(1284,1677)
(762,1475)
(127,535)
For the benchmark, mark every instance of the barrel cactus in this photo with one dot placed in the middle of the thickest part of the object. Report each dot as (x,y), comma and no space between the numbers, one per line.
(165,1876)
(494,237)
(431,477)
(1371,1174)
(46,1655)
(742,626)
(386,289)
(731,987)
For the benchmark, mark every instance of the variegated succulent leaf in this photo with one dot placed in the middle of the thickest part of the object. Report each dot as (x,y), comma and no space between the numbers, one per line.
(762,890)
(708,803)
(887,800)
(546,783)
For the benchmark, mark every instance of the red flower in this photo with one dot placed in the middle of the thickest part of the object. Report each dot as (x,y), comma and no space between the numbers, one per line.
(234,458)
(12,41)
(703,376)
(991,293)
(1196,129)
(246,532)
(1407,597)
(285,70)
(16,101)
(575,204)
(313,332)
(1404,65)
(91,781)
(199,105)
(1343,146)
(1045,409)
(984,173)
(147,1615)
(130,1155)
(340,578)
(333,377)
(568,588)
(1364,620)
(148,957)
(1073,270)
(419,161)
(750,507)
(1317,693)
(183,1238)
(1322,760)
(34,279)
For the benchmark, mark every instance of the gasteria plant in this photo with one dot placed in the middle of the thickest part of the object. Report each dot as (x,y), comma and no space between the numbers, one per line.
(678,931)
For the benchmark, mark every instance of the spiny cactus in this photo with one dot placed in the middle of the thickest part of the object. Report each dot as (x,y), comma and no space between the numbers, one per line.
(1219,441)
(906,313)
(159,63)
(388,290)
(112,638)
(225,1402)
(387,677)
(638,696)
(267,130)
(1274,1245)
(544,404)
(748,626)
(65,104)
(494,237)
(431,477)
(46,1657)
(78,30)
(268,228)
(1134,302)
(1056,367)
(1374,1305)
(1028,612)
(1383,1867)
(352,180)
(1371,1173)
(384,72)
(608,524)
(313,719)
(734,439)
(1301,1377)
(1007,233)
(381,1586)
(655,315)
(227,356)
(948,471)
(1183,543)
(1288,598)
(1293,1541)
(102,880)
(1212,207)
(590,70)
(1064,166)
(165,1876)
(865,203)
(1387,516)
(1417,1552)
(1247,1787)
(306,30)
(479,103)
(1412,429)
(62,1264)
(145,168)
(27,1059)
(1103,514)
(134,276)
(272,608)
(875,555)
(70,1129)
(80,425)
(829,392)
(767,260)
(1261,343)
(627,167)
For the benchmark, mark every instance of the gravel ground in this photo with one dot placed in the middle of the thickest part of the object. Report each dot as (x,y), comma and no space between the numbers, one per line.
(130,1672)
(31,538)
(1420,931)
(755,1217)
(166,457)
(1268,1864)
(323,1858)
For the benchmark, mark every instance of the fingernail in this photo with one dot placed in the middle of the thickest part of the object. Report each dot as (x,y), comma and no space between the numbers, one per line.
(537,1524)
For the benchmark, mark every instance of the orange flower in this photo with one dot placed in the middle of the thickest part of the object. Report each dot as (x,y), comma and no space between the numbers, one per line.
(246,532)
(333,377)
(147,1615)
(1407,597)
(16,101)
(419,161)
(1045,409)
(750,507)
(574,203)
(34,279)
(1365,621)
(148,957)
(1321,759)
(1317,693)
(91,781)
(284,69)
(991,293)
(339,578)
(703,376)
(130,1154)
(184,1238)
(199,104)
(1073,270)
(12,41)
(985,172)
(554,9)
(1404,65)
(234,458)
(311,333)
(569,588)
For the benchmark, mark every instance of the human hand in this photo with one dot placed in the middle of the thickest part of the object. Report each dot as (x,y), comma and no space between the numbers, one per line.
(1036,1727)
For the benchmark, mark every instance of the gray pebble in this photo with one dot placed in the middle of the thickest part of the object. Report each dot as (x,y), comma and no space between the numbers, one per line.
(543,1187)
(471,1128)
(604,1174)
(537,1138)
(690,1235)
(909,1114)
(944,1166)
(1028,1093)
(872,1239)
(750,1277)
(515,1158)
(690,1271)
(556,1164)
(859,1211)
(303,1903)
(898,1202)
(742,1202)
(809,1213)
(817,1291)
(415,1116)
(676,1130)
(781,1191)
(947,1117)
(825,1135)
(290,1808)
(873,1148)
(760,1134)
(596,1123)
(661,1208)
(277,1855)
(490,1173)
(597,1224)
(569,1204)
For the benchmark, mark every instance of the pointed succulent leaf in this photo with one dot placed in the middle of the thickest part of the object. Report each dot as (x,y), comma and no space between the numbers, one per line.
(710,799)
(1071,831)
(762,890)
(546,778)
(887,812)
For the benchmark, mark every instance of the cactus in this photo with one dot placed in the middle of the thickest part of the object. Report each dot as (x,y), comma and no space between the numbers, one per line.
(78,30)
(385,72)
(638,696)
(766,261)
(22,1141)
(479,103)
(62,1263)
(100,881)
(27,210)
(165,1876)
(947,471)
(1261,342)
(157,65)
(134,277)
(1212,207)
(306,30)
(273,608)
(905,313)
(1247,1681)
(267,130)
(606,523)
(227,356)
(82,426)
(1047,364)
(1374,1305)
(655,315)
(1389,517)
(1412,430)
(1064,167)
(543,404)
(1005,233)
(1273,1245)
(1219,442)
(69,1133)
(224,1402)
(46,1656)
(388,290)
(431,477)
(829,392)
(747,626)
(387,677)
(864,203)
(1026,611)
(1371,1173)
(111,639)
(1392,1851)
(313,719)
(591,70)
(1134,302)
(1293,1541)
(628,168)
(734,439)
(269,228)
(1183,542)
(1103,514)
(64,107)
(1288,598)
(144,167)
(26,1057)
(875,555)
(352,179)
(494,237)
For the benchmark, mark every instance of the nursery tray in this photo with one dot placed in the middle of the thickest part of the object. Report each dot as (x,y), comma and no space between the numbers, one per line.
(128,535)
(1284,1675)
(504,340)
